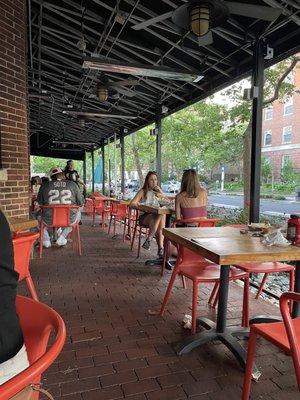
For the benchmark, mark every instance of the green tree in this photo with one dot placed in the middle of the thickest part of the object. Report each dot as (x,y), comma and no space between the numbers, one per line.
(288,175)
(266,169)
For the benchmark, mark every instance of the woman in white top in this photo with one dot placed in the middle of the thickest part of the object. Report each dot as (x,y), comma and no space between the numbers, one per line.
(149,194)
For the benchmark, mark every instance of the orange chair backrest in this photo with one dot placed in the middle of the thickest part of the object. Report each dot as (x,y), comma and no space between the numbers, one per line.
(122,210)
(37,322)
(99,203)
(61,214)
(22,245)
(88,206)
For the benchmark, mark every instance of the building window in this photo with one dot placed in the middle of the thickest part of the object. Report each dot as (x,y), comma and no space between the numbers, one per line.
(288,106)
(268,138)
(287,134)
(286,160)
(269,113)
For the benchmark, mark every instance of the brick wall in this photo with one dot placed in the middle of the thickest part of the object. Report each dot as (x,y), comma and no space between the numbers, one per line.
(13,108)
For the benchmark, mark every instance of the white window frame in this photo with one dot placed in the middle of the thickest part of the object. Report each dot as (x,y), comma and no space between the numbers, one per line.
(268,132)
(284,132)
(288,103)
(269,113)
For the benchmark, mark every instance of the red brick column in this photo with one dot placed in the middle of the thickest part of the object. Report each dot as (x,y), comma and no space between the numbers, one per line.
(14,151)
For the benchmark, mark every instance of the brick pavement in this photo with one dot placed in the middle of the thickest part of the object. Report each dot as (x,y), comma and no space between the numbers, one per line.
(115,350)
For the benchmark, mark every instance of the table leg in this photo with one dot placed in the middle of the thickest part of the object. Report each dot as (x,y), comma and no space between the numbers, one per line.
(296,306)
(219,331)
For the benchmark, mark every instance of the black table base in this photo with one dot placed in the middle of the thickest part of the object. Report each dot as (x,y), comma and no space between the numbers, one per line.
(219,331)
(155,261)
(229,338)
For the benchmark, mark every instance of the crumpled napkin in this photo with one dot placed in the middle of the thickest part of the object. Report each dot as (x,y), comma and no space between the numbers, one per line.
(187,321)
(275,239)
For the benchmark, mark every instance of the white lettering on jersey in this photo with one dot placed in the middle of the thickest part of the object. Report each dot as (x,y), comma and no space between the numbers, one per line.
(66,196)
(53,196)
(56,197)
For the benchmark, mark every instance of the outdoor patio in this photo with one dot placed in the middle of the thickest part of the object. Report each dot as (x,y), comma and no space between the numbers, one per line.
(115,350)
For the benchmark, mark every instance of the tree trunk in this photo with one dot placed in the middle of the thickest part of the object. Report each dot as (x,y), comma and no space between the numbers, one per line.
(247,167)
(136,156)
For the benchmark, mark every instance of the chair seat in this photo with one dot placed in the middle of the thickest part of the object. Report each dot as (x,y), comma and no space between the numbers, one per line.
(275,332)
(209,272)
(265,267)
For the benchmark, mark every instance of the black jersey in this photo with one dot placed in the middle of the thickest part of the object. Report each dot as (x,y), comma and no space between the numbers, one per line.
(11,338)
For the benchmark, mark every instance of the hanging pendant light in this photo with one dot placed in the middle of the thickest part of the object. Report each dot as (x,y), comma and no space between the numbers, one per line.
(199,19)
(102,94)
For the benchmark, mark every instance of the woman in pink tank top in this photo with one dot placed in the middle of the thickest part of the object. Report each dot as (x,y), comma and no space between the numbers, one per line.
(191,202)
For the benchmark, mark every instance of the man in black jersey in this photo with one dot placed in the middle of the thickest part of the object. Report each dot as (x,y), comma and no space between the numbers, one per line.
(59,191)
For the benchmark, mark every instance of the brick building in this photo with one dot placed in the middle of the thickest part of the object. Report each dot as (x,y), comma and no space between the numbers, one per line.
(281,132)
(14,149)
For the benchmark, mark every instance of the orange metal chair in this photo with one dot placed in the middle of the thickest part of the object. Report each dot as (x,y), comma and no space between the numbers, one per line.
(100,208)
(285,335)
(200,222)
(195,267)
(61,219)
(97,194)
(118,213)
(22,245)
(266,268)
(88,206)
(37,322)
(137,229)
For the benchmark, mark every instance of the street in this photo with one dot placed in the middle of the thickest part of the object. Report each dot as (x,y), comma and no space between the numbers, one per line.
(266,205)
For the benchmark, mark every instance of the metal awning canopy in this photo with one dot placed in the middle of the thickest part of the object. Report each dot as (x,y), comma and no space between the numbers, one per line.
(60,89)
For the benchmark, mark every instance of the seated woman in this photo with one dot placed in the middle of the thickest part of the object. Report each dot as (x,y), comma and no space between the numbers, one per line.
(149,194)
(13,355)
(191,201)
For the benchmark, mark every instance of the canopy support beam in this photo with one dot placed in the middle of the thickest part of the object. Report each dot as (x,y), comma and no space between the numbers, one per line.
(158,141)
(122,160)
(257,106)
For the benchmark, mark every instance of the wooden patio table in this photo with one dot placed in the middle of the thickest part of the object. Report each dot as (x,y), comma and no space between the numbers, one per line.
(21,224)
(156,210)
(226,246)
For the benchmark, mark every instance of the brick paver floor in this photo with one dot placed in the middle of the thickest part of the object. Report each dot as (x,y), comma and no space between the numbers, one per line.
(116,350)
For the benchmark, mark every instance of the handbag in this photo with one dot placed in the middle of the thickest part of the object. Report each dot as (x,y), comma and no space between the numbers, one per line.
(28,392)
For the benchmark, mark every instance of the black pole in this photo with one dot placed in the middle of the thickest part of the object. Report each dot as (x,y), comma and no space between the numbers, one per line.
(158,141)
(93,171)
(257,103)
(84,174)
(122,160)
(103,168)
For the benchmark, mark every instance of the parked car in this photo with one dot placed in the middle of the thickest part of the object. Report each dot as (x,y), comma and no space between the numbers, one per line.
(170,187)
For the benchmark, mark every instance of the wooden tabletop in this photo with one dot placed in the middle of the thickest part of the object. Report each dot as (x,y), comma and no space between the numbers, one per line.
(21,224)
(224,246)
(153,209)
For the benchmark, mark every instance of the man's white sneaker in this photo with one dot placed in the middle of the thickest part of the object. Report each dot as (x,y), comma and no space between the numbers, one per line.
(61,241)
(46,244)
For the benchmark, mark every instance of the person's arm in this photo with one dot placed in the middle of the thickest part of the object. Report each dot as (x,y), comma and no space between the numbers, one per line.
(40,196)
(204,197)
(177,207)
(137,198)
(79,197)
(157,189)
